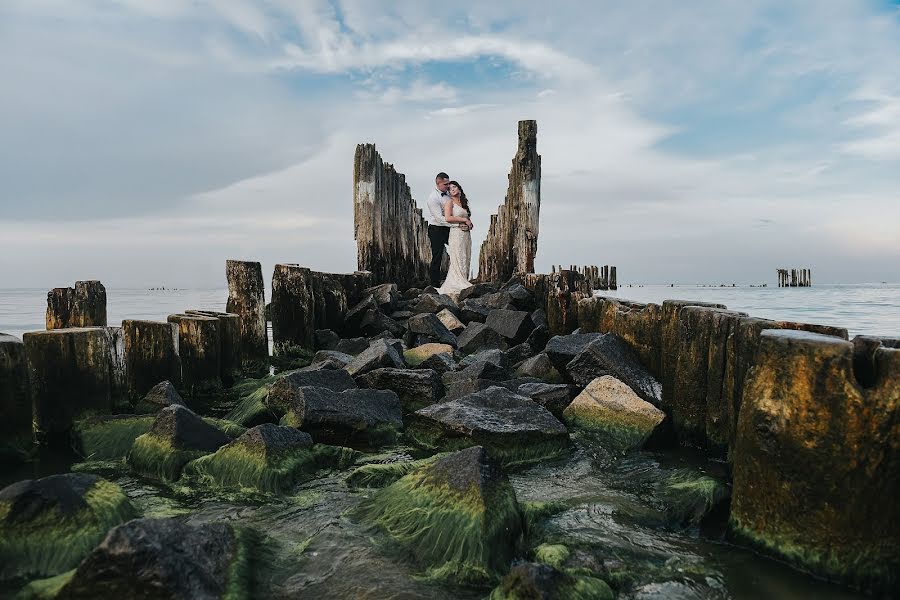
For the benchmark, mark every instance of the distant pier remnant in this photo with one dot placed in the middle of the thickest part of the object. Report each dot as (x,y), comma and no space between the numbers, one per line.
(391,234)
(511,243)
(558,294)
(247,298)
(81,306)
(596,278)
(794,278)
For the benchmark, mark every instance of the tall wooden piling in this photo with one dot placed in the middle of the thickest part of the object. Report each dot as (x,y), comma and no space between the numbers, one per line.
(292,309)
(511,243)
(247,298)
(81,306)
(230,340)
(15,401)
(151,356)
(198,349)
(391,234)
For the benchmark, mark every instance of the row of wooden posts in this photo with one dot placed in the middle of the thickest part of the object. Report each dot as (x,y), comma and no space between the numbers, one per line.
(597,278)
(794,278)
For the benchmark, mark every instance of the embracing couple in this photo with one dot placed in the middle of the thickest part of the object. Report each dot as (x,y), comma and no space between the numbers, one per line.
(450,224)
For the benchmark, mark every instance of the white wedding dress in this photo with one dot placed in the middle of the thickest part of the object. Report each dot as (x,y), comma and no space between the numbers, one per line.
(460,250)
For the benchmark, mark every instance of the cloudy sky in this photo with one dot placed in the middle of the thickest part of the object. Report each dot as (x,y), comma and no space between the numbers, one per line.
(144,142)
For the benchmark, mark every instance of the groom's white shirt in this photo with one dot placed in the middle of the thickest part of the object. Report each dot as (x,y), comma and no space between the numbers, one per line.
(436,208)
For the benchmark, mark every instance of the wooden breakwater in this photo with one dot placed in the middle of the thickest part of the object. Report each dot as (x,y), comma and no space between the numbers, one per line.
(597,278)
(512,240)
(794,277)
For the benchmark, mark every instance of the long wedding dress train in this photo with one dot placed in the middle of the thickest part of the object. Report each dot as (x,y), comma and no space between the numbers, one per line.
(460,250)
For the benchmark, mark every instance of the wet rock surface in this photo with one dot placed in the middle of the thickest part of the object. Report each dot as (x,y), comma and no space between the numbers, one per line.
(416,388)
(380,353)
(284,389)
(610,355)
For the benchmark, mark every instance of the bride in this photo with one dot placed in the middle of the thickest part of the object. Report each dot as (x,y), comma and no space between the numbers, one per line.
(457,214)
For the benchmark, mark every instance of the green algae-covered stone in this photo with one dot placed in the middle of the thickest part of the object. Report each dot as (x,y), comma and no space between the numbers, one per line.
(530,581)
(610,408)
(690,495)
(48,525)
(456,518)
(267,458)
(110,436)
(177,437)
(379,475)
(166,559)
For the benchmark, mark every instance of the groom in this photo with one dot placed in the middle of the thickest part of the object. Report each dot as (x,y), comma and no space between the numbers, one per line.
(438,228)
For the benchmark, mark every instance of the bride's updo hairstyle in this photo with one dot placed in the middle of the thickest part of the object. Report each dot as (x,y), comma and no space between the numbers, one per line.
(462,197)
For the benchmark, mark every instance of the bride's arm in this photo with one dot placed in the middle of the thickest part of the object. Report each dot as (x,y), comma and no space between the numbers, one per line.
(448,214)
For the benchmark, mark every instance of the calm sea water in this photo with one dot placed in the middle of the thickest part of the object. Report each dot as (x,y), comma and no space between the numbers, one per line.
(862,308)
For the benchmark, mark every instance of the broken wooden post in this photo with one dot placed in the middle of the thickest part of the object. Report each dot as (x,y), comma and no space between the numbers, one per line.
(15,401)
(292,310)
(230,340)
(198,349)
(69,375)
(391,234)
(151,356)
(612,284)
(247,298)
(81,306)
(511,243)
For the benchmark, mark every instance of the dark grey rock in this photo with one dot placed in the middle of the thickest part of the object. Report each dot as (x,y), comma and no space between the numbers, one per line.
(270,440)
(385,295)
(380,353)
(521,298)
(161,395)
(440,363)
(513,325)
(284,389)
(161,558)
(360,418)
(497,357)
(326,339)
(611,355)
(555,397)
(353,318)
(416,388)
(375,322)
(561,349)
(479,336)
(476,291)
(539,318)
(497,300)
(451,322)
(412,293)
(434,303)
(538,338)
(353,346)
(510,426)
(480,370)
(330,359)
(539,366)
(185,430)
(473,311)
(426,328)
(521,352)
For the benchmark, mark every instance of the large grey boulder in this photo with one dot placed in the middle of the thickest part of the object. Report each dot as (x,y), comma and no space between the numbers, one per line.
(426,328)
(385,295)
(161,395)
(476,291)
(434,303)
(473,311)
(539,366)
(416,388)
(284,389)
(329,359)
(555,397)
(352,346)
(513,325)
(360,418)
(451,322)
(497,357)
(380,353)
(561,349)
(326,339)
(511,427)
(440,363)
(477,337)
(611,355)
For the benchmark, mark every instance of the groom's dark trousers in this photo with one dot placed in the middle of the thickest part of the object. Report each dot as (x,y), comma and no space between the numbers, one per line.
(438,236)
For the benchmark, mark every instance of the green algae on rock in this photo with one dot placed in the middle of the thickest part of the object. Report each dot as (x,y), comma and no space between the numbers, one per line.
(689,496)
(528,581)
(177,437)
(165,558)
(267,458)
(379,475)
(109,437)
(457,518)
(513,428)
(554,555)
(48,525)
(611,409)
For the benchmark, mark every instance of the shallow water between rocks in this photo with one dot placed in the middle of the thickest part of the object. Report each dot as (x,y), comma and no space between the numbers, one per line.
(608,513)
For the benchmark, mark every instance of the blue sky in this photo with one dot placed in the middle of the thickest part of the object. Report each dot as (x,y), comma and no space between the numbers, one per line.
(144,142)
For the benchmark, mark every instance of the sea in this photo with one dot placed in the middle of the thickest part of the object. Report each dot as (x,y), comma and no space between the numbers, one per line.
(866,308)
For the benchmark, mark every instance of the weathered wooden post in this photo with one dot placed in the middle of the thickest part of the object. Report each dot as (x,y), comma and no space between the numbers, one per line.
(198,347)
(330,300)
(69,375)
(292,309)
(15,401)
(511,242)
(230,339)
(613,285)
(151,356)
(247,298)
(81,306)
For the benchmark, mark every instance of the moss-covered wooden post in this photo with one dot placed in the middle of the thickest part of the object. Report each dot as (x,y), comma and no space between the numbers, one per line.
(247,298)
(15,400)
(292,309)
(69,375)
(230,340)
(81,306)
(151,355)
(198,348)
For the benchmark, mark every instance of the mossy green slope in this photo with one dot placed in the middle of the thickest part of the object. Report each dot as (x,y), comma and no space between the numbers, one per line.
(48,525)
(456,518)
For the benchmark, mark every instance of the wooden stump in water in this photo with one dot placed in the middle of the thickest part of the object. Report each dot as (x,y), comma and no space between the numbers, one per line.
(81,306)
(69,374)
(230,340)
(292,309)
(199,349)
(247,298)
(151,356)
